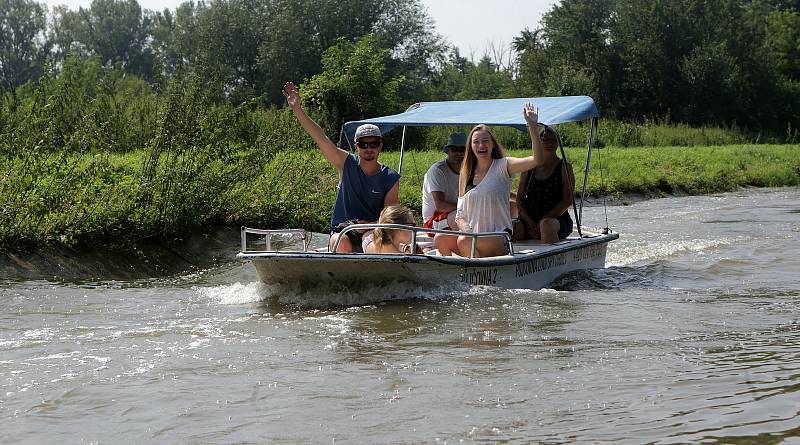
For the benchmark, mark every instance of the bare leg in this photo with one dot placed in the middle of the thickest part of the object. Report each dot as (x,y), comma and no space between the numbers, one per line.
(344,245)
(445,244)
(484,247)
(548,228)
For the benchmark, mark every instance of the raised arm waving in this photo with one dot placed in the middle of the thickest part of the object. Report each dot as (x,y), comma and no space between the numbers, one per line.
(517,165)
(335,155)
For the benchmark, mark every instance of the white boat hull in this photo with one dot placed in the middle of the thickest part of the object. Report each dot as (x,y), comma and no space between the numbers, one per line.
(532,266)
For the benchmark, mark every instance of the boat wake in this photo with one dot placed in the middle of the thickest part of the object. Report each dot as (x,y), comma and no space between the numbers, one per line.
(619,277)
(633,252)
(324,296)
(236,293)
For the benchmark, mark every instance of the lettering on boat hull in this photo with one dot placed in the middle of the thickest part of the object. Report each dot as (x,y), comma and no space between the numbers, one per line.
(533,266)
(486,277)
(589,253)
(540,264)
(530,272)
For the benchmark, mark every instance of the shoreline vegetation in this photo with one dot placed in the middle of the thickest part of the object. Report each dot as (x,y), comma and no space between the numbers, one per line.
(93,157)
(81,200)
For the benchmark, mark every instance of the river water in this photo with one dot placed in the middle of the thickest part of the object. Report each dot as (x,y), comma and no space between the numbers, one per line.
(692,334)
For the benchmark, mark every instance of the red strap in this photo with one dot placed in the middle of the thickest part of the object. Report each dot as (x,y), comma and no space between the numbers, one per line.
(438,216)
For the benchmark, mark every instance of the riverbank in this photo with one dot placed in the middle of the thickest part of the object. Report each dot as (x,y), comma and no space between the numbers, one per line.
(138,261)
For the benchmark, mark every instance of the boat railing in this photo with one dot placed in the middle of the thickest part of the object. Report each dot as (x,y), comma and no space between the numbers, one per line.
(304,236)
(416,234)
(415,231)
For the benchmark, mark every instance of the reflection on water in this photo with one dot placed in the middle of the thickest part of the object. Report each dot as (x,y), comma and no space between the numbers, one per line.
(690,336)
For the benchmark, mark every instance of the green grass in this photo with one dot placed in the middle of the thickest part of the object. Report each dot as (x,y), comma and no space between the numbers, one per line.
(86,198)
(90,155)
(652,171)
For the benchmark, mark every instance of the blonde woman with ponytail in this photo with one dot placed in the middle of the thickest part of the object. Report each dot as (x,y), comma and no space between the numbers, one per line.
(484,185)
(386,240)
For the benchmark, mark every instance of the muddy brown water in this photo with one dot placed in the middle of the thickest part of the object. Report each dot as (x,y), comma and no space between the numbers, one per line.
(689,336)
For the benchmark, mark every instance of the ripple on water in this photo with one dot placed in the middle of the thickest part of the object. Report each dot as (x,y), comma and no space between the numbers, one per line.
(652,275)
(677,347)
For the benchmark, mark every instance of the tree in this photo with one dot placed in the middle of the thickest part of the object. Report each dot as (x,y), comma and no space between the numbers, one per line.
(23,47)
(254,46)
(782,42)
(117,31)
(575,38)
(695,61)
(528,41)
(712,78)
(416,50)
(353,84)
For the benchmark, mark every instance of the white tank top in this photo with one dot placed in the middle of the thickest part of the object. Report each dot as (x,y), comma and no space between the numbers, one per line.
(486,207)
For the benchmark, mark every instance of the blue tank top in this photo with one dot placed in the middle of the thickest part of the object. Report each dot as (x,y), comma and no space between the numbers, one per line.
(361,196)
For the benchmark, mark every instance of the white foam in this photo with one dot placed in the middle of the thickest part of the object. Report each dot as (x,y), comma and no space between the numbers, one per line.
(236,293)
(38,334)
(322,296)
(655,249)
(58,356)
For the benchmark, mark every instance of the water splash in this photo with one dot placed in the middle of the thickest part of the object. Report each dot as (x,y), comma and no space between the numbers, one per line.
(236,293)
(653,249)
(326,296)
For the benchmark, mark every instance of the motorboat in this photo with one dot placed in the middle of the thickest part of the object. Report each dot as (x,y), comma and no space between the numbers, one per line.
(529,265)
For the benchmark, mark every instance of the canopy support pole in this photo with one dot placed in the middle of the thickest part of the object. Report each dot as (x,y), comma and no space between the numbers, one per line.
(592,131)
(402,148)
(571,184)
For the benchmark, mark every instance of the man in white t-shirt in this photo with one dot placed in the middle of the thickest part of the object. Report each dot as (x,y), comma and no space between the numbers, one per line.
(440,189)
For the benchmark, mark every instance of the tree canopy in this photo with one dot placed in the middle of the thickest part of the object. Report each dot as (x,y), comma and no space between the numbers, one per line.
(720,62)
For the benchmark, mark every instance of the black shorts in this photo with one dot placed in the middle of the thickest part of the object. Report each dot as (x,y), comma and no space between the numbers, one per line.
(354,236)
(564,225)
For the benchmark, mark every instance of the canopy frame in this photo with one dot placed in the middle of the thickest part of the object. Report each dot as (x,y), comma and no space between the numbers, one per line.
(493,112)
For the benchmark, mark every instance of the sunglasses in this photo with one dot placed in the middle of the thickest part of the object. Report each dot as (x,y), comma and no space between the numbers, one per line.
(369,144)
(458,149)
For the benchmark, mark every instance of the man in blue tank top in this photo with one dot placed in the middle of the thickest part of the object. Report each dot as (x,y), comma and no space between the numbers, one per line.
(365,187)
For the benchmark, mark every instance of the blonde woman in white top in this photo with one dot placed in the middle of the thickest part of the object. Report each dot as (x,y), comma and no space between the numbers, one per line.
(484,187)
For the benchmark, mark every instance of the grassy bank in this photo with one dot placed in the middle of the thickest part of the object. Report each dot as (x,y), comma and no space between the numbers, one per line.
(653,171)
(126,197)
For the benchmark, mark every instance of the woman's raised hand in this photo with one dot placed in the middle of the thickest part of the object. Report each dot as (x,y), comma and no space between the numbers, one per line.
(291,94)
(531,114)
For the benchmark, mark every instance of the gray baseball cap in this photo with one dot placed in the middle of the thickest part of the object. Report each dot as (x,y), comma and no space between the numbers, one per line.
(368,130)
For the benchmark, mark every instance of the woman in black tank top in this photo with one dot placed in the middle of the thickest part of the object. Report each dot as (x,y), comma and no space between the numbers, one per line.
(545,195)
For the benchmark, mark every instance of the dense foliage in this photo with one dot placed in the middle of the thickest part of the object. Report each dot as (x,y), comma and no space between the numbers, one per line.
(717,62)
(692,61)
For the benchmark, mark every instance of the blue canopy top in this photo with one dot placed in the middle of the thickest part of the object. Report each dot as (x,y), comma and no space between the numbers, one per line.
(508,112)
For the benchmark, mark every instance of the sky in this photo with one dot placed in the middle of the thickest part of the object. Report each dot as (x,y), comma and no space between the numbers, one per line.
(474,26)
